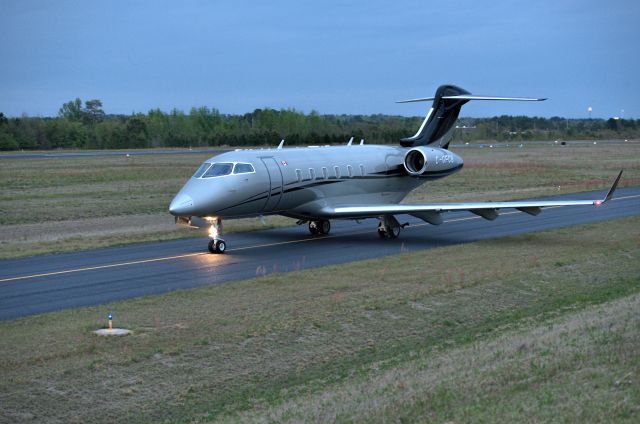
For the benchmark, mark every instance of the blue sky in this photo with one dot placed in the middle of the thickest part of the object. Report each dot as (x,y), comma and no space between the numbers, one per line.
(331,56)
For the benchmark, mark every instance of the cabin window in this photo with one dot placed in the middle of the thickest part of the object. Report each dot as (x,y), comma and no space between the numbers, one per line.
(218,170)
(299,175)
(350,171)
(325,173)
(337,171)
(243,168)
(203,168)
(312,174)
(362,170)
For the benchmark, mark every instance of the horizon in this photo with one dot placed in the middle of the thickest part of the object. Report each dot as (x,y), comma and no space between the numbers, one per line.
(460,118)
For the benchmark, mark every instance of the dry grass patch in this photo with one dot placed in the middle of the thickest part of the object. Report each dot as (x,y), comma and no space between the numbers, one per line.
(582,367)
(248,347)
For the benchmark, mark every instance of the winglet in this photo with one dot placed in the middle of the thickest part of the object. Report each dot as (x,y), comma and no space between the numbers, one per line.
(281,144)
(613,188)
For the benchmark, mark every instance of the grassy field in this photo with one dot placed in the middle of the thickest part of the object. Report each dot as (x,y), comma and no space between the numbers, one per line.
(56,205)
(538,327)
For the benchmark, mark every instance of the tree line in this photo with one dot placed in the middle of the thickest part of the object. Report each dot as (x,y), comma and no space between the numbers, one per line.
(85,125)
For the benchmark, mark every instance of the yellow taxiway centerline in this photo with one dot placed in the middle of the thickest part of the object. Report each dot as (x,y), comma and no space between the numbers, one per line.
(188,255)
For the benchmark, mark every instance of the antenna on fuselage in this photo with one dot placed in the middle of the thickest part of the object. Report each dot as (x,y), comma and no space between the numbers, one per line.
(350,141)
(281,144)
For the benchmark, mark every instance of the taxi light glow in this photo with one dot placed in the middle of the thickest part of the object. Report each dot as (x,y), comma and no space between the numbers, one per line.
(213,232)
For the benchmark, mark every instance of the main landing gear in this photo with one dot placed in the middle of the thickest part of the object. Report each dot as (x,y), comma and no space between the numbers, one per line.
(217,243)
(319,227)
(389,227)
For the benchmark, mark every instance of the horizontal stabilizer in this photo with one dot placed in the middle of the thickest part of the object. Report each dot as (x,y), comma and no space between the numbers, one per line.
(421,99)
(472,97)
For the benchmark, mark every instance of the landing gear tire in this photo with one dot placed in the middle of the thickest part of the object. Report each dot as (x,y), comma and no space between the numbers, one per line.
(393,232)
(389,227)
(325,227)
(216,243)
(217,246)
(319,227)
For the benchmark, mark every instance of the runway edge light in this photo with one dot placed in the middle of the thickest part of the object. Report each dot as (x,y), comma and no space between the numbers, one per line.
(110,331)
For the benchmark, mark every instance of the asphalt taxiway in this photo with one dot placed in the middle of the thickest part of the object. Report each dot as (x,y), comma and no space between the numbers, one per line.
(41,284)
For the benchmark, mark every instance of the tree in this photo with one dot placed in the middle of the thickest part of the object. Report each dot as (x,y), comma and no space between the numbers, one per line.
(7,142)
(136,130)
(30,133)
(91,114)
(63,133)
(72,110)
(93,111)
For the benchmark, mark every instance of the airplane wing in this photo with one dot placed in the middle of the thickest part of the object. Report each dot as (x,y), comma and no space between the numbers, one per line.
(487,210)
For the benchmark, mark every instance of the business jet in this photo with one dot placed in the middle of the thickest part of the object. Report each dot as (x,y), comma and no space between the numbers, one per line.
(354,181)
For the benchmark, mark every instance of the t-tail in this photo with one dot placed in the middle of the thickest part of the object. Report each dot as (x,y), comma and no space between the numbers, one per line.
(437,128)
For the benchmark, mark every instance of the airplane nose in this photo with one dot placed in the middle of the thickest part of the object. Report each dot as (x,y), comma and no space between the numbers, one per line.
(182,204)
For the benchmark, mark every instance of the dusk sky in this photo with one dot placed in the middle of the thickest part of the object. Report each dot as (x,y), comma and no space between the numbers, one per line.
(329,56)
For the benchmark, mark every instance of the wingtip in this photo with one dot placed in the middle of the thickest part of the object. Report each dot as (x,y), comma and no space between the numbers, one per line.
(613,188)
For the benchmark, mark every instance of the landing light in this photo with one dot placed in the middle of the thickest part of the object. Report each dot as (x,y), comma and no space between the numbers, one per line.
(213,232)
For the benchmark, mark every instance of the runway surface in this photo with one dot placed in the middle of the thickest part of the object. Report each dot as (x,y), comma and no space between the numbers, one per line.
(47,283)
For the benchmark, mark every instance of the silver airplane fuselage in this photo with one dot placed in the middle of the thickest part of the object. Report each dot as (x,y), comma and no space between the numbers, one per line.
(304,183)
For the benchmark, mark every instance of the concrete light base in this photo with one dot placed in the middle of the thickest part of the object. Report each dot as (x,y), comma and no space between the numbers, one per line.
(113,332)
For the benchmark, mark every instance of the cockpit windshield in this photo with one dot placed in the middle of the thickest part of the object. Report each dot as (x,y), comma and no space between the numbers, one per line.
(218,170)
(209,170)
(203,168)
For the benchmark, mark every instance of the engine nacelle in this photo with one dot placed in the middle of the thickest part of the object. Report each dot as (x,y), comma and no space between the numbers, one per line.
(423,161)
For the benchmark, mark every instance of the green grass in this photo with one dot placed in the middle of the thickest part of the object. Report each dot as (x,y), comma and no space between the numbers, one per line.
(536,327)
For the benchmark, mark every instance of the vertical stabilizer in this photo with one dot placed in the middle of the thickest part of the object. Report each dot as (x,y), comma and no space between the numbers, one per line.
(439,121)
(436,129)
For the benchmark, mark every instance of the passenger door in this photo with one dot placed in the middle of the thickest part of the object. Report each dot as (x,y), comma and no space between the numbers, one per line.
(275,181)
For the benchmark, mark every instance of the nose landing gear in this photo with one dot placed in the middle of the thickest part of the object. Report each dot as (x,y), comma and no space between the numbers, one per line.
(217,243)
(217,246)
